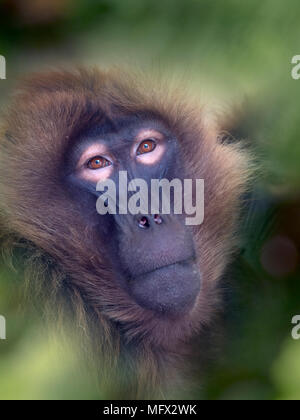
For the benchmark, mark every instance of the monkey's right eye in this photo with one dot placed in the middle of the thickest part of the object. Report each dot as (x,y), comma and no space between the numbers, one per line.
(98,162)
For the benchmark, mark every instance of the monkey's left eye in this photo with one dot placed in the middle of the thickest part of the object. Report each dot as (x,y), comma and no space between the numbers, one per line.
(98,162)
(146,146)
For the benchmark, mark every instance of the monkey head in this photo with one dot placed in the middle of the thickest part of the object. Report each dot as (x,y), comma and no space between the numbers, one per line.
(148,276)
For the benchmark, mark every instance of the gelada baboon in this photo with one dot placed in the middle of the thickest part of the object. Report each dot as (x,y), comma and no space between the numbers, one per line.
(145,284)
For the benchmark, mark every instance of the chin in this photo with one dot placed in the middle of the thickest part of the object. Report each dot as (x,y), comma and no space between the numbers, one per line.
(168,291)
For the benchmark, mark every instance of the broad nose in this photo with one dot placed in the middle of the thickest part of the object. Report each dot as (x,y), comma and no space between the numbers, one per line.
(146,222)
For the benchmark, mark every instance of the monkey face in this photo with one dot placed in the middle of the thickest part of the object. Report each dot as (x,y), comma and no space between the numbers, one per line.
(152,253)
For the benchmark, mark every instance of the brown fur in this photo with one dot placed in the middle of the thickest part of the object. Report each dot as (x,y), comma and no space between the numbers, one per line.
(47,112)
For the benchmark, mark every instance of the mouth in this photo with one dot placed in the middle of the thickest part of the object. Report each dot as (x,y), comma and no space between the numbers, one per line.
(188,261)
(170,289)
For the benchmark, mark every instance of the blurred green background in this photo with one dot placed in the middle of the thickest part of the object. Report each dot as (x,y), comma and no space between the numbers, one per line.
(233,54)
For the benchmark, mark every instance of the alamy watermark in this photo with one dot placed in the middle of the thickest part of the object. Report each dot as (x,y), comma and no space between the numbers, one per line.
(2,328)
(2,318)
(296,329)
(2,67)
(163,197)
(296,69)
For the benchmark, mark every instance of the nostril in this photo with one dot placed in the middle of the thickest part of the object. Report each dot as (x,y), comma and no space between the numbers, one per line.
(144,222)
(157,219)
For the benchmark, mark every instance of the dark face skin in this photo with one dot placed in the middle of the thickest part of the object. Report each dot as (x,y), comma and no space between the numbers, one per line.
(153,256)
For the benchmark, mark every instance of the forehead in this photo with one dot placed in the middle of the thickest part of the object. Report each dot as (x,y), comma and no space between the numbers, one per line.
(126,126)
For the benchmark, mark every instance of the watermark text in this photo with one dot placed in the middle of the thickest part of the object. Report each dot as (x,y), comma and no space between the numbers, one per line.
(296,69)
(296,329)
(160,196)
(2,67)
(2,328)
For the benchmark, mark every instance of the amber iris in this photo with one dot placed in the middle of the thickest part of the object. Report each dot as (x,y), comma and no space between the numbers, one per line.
(146,146)
(98,162)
